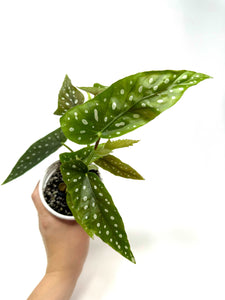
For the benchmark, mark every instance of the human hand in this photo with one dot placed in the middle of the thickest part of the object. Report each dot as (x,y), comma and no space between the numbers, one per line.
(66,242)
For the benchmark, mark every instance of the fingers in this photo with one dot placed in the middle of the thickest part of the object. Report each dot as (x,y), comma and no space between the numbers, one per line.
(37,200)
(42,211)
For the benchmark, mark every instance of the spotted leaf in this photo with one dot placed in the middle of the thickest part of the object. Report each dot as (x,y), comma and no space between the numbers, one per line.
(36,153)
(68,97)
(102,150)
(81,154)
(96,89)
(85,154)
(117,167)
(93,207)
(127,104)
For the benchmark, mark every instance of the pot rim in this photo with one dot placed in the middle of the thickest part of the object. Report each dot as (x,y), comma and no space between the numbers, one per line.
(47,174)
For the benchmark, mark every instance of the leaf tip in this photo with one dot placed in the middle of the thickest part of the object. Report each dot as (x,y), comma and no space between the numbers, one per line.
(133,260)
(56,113)
(205,76)
(8,179)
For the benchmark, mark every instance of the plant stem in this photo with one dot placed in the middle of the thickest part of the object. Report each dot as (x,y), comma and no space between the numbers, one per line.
(67,147)
(90,156)
(96,144)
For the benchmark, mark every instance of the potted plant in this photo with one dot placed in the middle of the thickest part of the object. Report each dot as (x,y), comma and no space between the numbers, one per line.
(109,113)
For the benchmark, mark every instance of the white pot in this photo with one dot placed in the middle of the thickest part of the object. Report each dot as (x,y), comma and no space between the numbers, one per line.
(47,174)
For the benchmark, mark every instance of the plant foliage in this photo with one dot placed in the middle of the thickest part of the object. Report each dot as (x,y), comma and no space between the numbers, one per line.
(112,112)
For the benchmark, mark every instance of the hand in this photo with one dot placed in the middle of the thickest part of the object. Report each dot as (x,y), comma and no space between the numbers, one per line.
(66,245)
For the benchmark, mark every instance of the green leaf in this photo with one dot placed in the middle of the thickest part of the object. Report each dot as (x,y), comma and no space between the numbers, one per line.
(81,154)
(68,97)
(119,144)
(102,150)
(109,146)
(36,153)
(96,89)
(93,207)
(117,167)
(127,104)
(99,86)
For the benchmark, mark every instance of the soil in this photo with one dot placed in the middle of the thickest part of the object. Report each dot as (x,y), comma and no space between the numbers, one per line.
(55,194)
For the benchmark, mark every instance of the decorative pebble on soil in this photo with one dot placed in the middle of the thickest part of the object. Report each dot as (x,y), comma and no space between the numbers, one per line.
(54,196)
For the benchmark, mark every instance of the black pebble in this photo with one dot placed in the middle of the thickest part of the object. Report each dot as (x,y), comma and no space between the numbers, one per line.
(55,198)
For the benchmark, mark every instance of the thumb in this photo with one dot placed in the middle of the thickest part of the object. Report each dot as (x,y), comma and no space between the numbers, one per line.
(37,200)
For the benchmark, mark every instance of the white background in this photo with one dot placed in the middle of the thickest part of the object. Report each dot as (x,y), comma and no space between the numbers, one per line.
(175,218)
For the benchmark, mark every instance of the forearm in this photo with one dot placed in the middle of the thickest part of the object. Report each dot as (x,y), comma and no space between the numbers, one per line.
(55,286)
(66,245)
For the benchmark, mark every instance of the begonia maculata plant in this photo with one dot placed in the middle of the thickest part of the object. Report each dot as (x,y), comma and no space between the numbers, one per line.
(106,114)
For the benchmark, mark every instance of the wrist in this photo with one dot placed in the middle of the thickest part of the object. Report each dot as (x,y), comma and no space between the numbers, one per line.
(55,285)
(66,273)
(60,264)
(67,277)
